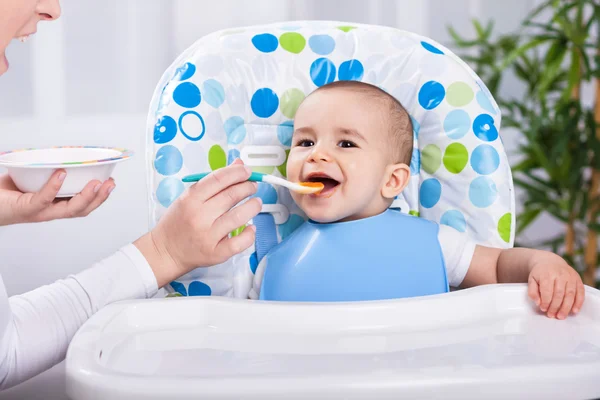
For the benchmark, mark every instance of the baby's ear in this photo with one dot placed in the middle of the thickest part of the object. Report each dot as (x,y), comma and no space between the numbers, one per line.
(396,179)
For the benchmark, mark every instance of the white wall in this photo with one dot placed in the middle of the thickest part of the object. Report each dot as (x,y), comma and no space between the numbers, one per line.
(88,78)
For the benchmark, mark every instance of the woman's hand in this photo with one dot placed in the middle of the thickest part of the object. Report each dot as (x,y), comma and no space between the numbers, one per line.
(17,207)
(194,231)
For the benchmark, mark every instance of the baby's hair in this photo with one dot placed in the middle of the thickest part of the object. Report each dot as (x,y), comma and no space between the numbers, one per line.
(401,128)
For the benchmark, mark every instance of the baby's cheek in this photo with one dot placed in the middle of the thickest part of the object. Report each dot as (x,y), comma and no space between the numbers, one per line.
(293,166)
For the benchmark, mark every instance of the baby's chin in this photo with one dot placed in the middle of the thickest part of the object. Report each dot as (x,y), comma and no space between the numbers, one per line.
(323,216)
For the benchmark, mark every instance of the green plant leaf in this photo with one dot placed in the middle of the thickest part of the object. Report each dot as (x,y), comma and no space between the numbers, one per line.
(460,42)
(574,75)
(510,58)
(481,33)
(536,11)
(554,60)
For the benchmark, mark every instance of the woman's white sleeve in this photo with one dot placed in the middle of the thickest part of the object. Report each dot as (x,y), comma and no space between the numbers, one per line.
(36,327)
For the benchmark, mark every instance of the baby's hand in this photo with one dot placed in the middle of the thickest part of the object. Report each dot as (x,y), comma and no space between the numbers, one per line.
(555,287)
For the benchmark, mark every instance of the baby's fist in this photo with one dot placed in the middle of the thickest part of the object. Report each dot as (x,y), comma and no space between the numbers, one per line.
(555,287)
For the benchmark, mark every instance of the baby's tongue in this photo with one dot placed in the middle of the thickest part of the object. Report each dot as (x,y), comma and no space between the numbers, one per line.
(329,184)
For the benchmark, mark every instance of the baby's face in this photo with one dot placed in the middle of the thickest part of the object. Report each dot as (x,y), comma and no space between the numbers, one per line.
(341,139)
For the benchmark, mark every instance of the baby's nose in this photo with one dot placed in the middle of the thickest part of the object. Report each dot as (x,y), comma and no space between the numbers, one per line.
(319,156)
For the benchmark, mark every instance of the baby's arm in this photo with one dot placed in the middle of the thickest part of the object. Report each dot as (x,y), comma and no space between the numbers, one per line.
(554,286)
(257,281)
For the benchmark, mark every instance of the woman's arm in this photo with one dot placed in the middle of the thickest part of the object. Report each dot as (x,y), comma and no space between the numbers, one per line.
(36,327)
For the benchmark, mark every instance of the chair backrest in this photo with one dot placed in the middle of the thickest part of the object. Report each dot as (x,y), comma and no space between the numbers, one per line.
(235,93)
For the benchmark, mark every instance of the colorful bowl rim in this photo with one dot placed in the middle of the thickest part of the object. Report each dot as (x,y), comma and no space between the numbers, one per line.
(125,153)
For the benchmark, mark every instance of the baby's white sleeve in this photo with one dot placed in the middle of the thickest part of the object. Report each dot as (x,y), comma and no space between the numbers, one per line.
(257,281)
(458,249)
(36,327)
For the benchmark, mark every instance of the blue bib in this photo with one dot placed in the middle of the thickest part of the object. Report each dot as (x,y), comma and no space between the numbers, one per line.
(388,256)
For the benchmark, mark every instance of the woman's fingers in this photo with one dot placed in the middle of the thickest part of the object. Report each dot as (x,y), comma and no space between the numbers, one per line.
(101,195)
(236,217)
(228,198)
(228,247)
(219,180)
(30,205)
(80,205)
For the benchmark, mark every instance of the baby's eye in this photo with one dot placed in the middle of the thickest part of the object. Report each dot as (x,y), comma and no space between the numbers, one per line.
(346,144)
(305,143)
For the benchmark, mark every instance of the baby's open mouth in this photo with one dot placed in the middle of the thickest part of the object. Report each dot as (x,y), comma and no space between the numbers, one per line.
(329,184)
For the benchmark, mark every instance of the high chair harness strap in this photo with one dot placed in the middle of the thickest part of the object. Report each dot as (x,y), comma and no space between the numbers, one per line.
(266,234)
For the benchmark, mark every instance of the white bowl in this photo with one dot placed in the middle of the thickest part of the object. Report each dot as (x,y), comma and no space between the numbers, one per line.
(30,169)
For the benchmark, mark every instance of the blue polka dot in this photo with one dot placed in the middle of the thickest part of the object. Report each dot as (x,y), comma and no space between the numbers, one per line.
(415,162)
(197,288)
(484,102)
(322,72)
(321,44)
(266,192)
(264,103)
(253,262)
(192,119)
(484,128)
(179,288)
(454,219)
(287,228)
(214,94)
(266,42)
(351,70)
(169,189)
(186,71)
(485,159)
(431,48)
(187,95)
(285,132)
(431,95)
(235,130)
(165,130)
(168,160)
(430,192)
(232,155)
(482,192)
(457,124)
(416,127)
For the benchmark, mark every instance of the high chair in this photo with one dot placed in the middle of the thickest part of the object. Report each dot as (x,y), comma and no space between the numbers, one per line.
(234,94)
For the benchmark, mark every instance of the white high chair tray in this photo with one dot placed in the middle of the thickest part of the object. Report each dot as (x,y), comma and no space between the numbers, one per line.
(487,342)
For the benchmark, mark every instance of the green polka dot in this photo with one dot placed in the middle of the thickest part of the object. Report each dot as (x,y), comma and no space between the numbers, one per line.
(282,168)
(216,157)
(346,28)
(414,213)
(292,42)
(456,158)
(290,101)
(263,170)
(431,158)
(504,225)
(459,94)
(238,231)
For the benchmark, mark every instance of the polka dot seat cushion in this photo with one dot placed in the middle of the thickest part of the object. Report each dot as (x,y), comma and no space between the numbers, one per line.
(235,93)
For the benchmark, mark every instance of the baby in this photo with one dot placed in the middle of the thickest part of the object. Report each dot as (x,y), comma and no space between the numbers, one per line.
(358,141)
